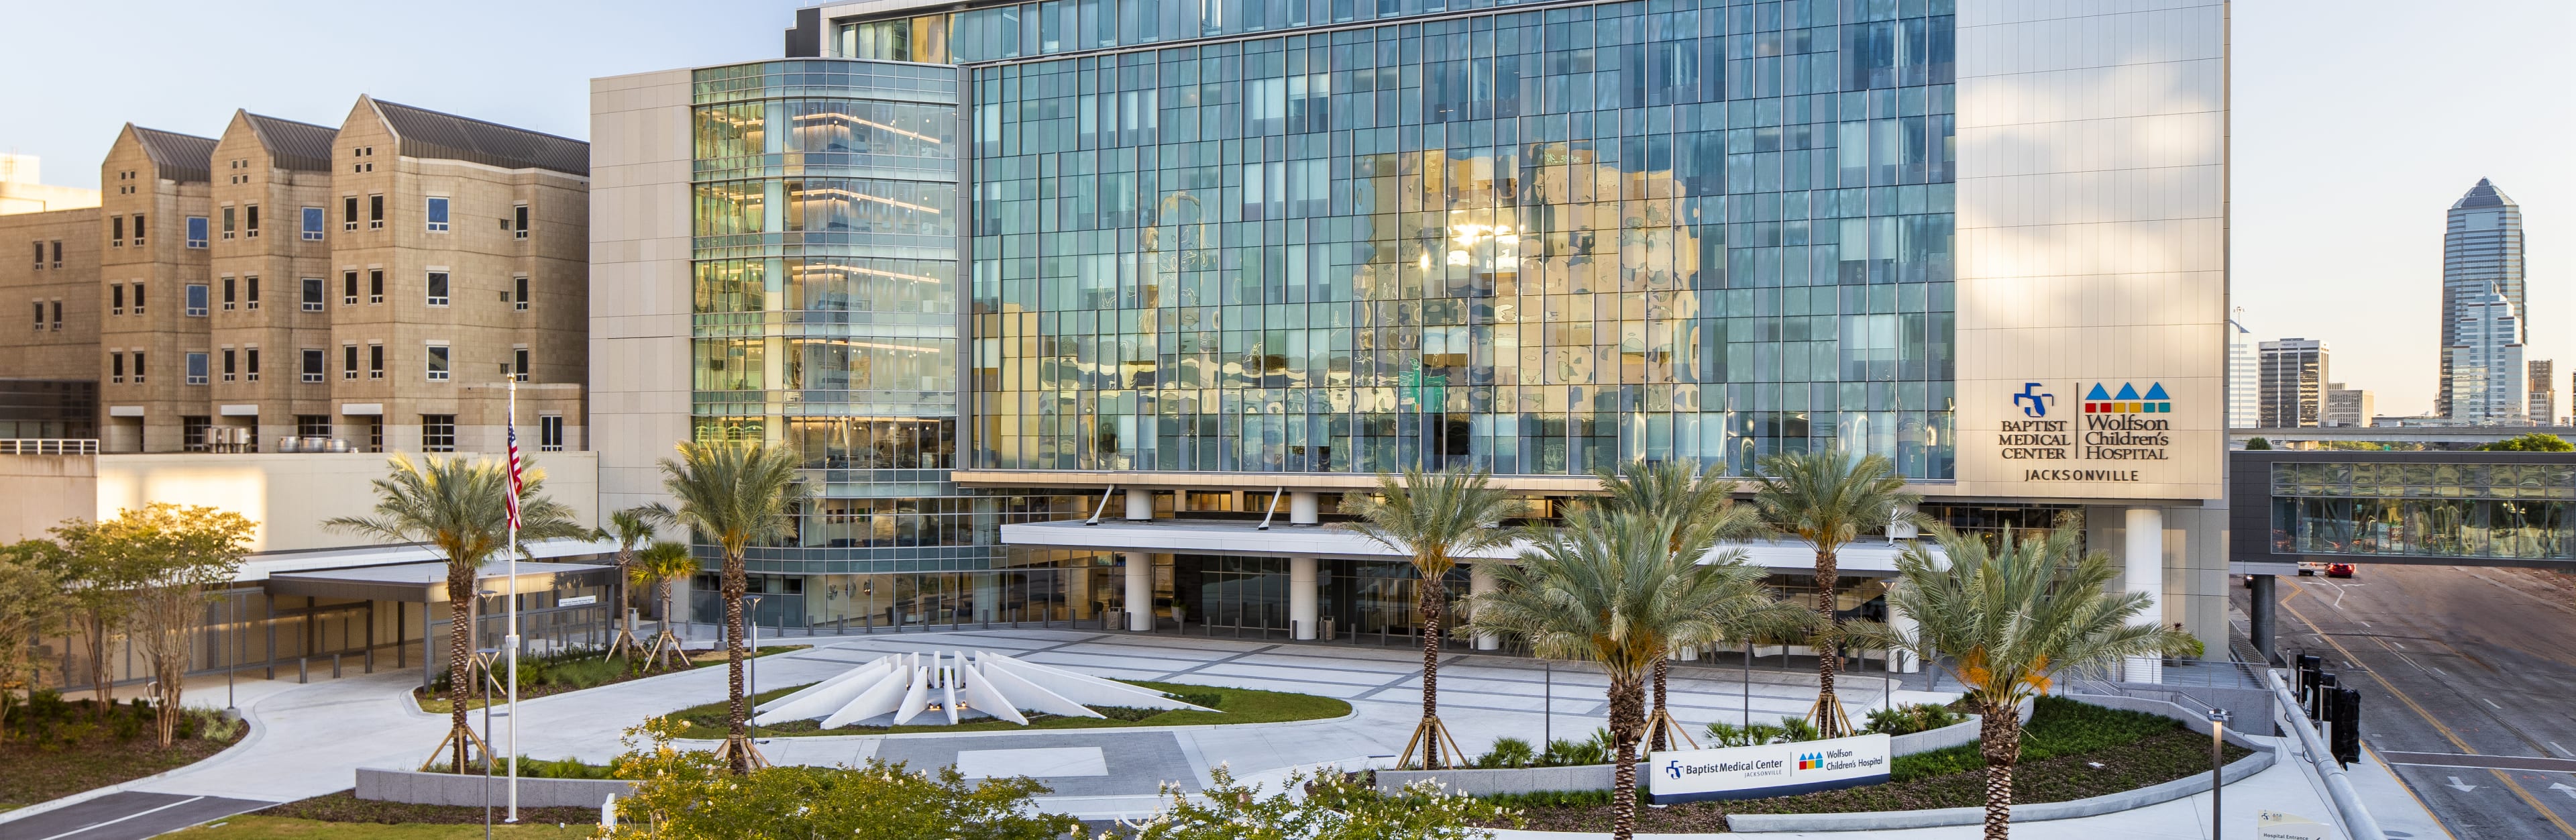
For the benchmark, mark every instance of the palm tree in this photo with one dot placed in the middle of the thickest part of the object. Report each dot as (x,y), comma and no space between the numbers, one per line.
(1434,518)
(1826,499)
(2012,618)
(460,509)
(733,494)
(1608,588)
(1700,507)
(631,527)
(658,566)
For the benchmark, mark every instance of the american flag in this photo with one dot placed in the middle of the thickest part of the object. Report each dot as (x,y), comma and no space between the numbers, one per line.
(515,484)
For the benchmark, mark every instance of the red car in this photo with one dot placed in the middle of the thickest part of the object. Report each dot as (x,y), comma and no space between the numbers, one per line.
(2338,570)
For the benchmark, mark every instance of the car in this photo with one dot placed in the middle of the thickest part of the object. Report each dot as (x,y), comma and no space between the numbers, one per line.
(2308,568)
(2338,570)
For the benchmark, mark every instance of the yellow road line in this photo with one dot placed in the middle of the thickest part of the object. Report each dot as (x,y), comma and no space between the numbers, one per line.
(2447,734)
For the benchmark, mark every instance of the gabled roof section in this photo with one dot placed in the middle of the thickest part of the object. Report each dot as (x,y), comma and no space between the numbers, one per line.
(294,145)
(431,134)
(178,157)
(2483,195)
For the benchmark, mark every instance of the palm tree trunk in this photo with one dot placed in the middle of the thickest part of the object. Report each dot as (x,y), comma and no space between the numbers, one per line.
(1432,604)
(1999,741)
(1656,736)
(460,656)
(733,589)
(1829,720)
(1627,722)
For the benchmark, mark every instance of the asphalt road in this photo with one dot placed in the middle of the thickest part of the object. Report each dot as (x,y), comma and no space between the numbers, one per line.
(126,816)
(2468,685)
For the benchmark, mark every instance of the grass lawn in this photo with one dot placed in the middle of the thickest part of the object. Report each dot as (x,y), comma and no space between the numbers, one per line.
(1233,705)
(340,815)
(438,705)
(30,774)
(2070,750)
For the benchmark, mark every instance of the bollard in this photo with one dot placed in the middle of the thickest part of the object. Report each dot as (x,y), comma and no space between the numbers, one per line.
(335,666)
(988,618)
(301,676)
(371,660)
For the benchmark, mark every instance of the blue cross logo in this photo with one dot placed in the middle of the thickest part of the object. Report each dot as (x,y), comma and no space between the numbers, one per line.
(2032,402)
(1674,769)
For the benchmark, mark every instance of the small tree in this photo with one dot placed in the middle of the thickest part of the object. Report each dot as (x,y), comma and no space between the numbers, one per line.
(175,556)
(658,566)
(1699,506)
(1434,518)
(690,795)
(32,605)
(1826,499)
(2012,619)
(2528,442)
(97,581)
(734,493)
(2257,443)
(631,527)
(1333,808)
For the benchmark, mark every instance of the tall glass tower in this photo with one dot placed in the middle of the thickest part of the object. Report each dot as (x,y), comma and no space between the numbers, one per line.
(2481,254)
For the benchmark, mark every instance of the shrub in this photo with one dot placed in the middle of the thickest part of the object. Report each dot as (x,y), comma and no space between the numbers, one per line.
(687,794)
(1208,699)
(212,725)
(2057,726)
(1507,752)
(1912,718)
(1335,807)
(1789,730)
(1566,752)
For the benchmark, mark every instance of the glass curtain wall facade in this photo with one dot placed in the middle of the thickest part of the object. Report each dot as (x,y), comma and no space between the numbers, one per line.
(2504,511)
(1534,239)
(825,318)
(2481,255)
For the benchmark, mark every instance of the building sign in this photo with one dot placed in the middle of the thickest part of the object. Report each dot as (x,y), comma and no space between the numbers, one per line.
(2114,428)
(2275,825)
(1767,769)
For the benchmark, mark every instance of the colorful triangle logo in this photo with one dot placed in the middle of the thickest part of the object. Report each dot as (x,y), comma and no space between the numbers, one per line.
(2127,392)
(2157,392)
(2097,393)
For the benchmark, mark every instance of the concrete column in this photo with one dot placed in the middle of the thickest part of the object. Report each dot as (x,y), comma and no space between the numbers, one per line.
(1904,661)
(1301,597)
(1480,581)
(2144,547)
(1303,508)
(1140,589)
(2265,605)
(1140,505)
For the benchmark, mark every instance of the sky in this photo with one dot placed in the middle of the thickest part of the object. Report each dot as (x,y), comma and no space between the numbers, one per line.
(2355,124)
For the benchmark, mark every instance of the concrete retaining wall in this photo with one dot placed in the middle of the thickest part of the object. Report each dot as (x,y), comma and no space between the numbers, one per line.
(2094,806)
(451,789)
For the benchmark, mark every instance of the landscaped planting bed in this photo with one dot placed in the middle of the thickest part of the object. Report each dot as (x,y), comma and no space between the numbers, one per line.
(540,676)
(340,815)
(55,747)
(1232,705)
(2070,750)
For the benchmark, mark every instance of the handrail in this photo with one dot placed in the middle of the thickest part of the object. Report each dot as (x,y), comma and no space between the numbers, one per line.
(48,446)
(2358,823)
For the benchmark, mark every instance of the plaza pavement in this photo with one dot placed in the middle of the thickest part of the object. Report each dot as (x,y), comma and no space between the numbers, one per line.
(312,738)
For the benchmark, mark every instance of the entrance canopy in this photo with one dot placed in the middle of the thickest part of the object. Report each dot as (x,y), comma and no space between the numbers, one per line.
(426,583)
(1864,558)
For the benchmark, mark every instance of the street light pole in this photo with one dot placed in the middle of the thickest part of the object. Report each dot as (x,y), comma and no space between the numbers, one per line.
(2217,736)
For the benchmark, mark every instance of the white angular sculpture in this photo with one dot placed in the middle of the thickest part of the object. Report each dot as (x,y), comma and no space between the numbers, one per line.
(905,686)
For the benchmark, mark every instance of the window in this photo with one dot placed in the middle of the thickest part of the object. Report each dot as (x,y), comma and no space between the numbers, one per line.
(438,288)
(40,255)
(138,230)
(228,294)
(228,364)
(375,360)
(196,231)
(550,433)
(58,253)
(375,211)
(40,316)
(138,297)
(375,285)
(250,366)
(116,231)
(313,425)
(348,212)
(519,221)
(192,432)
(349,361)
(116,367)
(438,213)
(348,288)
(375,434)
(228,222)
(438,433)
(138,367)
(313,294)
(519,292)
(251,285)
(196,301)
(250,221)
(58,314)
(312,364)
(196,369)
(519,363)
(115,298)
(438,363)
(313,224)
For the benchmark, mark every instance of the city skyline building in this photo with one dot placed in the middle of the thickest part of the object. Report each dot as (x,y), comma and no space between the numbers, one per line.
(2244,377)
(2481,255)
(2294,372)
(2348,406)
(2543,393)
(2488,376)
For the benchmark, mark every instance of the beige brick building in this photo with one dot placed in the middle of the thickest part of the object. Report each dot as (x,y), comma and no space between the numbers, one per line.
(292,285)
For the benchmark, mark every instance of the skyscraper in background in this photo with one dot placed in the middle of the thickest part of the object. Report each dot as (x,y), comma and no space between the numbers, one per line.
(2544,392)
(2348,406)
(2293,383)
(2484,362)
(2244,377)
(2481,253)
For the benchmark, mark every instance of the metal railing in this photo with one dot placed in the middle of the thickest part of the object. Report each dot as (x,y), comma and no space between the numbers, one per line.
(48,446)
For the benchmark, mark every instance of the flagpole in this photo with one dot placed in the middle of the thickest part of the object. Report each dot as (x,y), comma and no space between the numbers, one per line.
(511,425)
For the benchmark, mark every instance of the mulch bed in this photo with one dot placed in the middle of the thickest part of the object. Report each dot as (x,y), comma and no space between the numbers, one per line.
(34,775)
(344,807)
(2152,760)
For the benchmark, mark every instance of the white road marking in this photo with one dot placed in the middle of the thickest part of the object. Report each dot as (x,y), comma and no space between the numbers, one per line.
(124,818)
(2493,703)
(2455,785)
(2561,750)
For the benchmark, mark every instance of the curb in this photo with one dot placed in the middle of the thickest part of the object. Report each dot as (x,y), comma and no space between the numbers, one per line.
(2263,758)
(1194,727)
